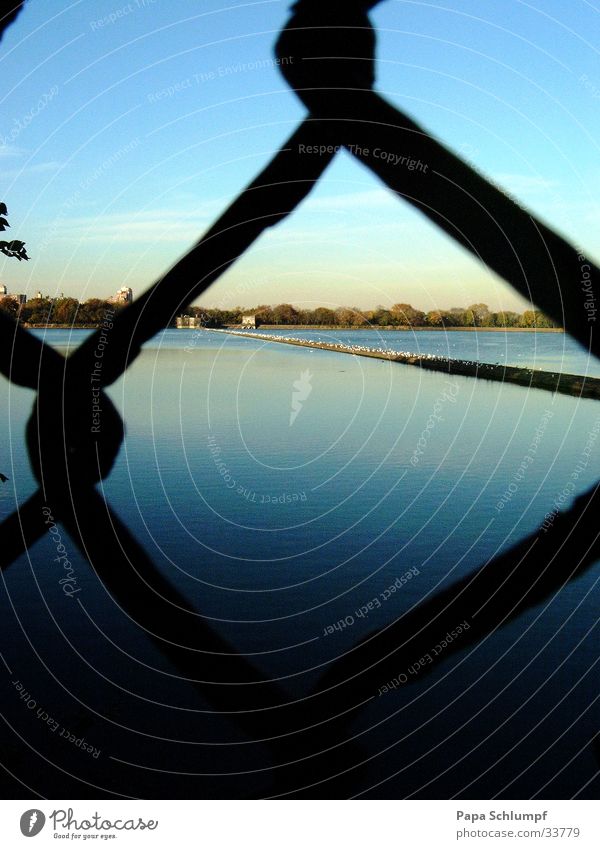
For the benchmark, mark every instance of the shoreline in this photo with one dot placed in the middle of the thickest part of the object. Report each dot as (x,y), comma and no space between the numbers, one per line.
(565,384)
(28,326)
(317,327)
(391,328)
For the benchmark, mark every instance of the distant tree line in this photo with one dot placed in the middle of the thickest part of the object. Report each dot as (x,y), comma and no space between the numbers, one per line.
(69,311)
(400,315)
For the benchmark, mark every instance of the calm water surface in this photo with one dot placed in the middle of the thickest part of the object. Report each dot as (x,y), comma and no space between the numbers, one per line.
(282,489)
(548,351)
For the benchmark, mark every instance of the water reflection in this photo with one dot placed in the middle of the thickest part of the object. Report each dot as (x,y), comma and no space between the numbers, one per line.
(279,531)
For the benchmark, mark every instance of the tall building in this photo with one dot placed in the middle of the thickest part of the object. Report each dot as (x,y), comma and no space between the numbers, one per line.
(123,296)
(19,298)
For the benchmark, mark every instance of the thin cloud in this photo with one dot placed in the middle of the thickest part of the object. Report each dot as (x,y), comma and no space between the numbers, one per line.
(525,183)
(370,199)
(10,150)
(146,227)
(40,168)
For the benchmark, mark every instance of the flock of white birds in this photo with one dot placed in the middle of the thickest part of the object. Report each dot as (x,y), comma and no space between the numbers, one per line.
(359,349)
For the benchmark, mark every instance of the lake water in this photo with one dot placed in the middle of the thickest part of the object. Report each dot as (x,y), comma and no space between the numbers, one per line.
(548,351)
(283,488)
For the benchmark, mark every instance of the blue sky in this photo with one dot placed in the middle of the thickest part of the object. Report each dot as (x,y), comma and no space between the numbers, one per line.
(126,127)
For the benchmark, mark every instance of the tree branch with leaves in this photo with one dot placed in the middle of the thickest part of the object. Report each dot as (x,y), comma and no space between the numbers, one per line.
(14,248)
